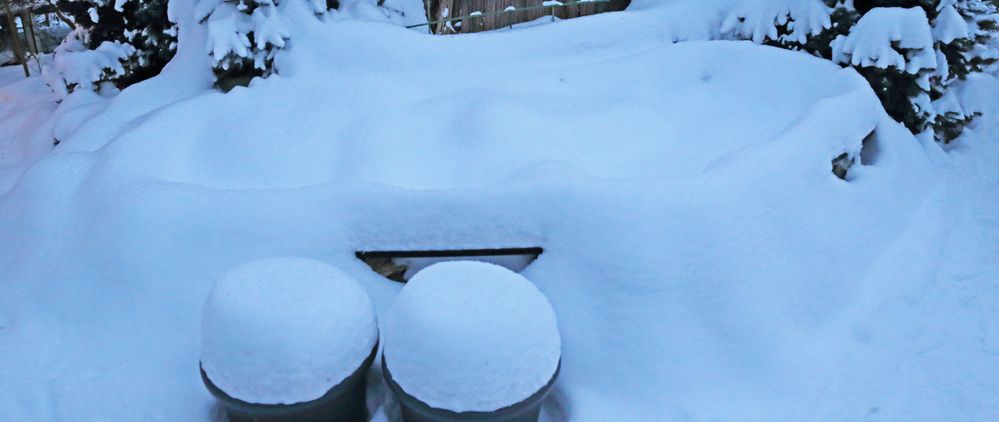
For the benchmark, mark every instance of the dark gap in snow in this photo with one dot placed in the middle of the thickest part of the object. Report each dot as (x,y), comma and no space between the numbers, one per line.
(868,155)
(841,165)
(401,265)
(870,150)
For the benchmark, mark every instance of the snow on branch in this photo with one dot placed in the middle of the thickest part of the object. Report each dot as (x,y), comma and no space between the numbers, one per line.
(950,25)
(243,35)
(777,20)
(73,66)
(889,38)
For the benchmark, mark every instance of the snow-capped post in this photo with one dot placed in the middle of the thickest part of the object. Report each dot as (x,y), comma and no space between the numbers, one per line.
(288,339)
(470,341)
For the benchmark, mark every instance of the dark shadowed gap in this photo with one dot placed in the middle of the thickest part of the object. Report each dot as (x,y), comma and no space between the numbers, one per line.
(400,265)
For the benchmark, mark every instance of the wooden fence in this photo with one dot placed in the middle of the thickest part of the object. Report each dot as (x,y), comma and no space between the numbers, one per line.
(23,39)
(494,17)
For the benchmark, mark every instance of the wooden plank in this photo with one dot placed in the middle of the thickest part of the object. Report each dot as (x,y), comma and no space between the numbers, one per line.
(450,253)
(393,265)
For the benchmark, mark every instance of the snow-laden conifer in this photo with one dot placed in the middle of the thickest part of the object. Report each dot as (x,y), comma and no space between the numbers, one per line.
(115,44)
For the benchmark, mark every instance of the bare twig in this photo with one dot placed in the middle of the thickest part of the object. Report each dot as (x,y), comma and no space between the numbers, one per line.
(60,15)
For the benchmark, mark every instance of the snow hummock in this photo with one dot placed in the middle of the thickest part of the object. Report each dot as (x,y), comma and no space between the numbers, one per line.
(285,330)
(471,336)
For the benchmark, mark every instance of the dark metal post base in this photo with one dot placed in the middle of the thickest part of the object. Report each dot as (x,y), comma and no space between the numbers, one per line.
(414,410)
(345,402)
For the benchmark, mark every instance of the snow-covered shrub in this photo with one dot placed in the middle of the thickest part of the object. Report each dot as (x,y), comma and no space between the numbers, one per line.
(74,66)
(964,31)
(142,36)
(782,23)
(244,36)
(911,51)
(893,49)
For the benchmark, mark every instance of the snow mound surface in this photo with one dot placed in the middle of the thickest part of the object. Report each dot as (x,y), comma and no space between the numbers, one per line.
(285,330)
(471,336)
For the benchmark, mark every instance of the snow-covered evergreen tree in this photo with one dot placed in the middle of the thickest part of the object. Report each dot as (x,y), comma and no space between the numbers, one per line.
(74,66)
(892,49)
(790,24)
(137,33)
(963,31)
(243,37)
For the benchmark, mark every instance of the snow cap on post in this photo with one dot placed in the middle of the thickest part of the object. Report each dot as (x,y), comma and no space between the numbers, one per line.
(285,330)
(471,336)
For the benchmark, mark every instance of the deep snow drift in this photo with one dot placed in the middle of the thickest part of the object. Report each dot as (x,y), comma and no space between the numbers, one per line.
(702,260)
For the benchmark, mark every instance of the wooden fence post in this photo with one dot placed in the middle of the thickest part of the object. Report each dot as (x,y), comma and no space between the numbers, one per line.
(31,27)
(15,43)
(27,24)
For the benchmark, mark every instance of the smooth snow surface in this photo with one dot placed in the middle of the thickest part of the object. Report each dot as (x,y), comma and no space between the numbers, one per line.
(10,74)
(285,330)
(471,336)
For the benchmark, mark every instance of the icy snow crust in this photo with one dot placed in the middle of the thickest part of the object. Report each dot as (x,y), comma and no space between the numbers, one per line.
(285,330)
(701,258)
(471,336)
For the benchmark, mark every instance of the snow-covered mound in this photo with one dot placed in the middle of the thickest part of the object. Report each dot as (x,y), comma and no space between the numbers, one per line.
(471,336)
(703,261)
(380,105)
(285,330)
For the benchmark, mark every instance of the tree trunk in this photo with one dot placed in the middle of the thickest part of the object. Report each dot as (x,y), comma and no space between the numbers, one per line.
(34,36)
(28,23)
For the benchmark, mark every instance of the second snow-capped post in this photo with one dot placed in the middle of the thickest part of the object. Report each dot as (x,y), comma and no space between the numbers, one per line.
(470,341)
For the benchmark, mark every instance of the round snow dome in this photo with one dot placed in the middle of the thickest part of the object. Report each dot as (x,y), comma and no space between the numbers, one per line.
(471,336)
(285,330)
